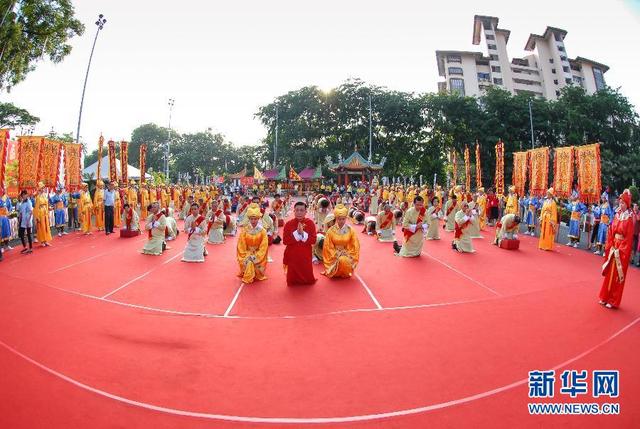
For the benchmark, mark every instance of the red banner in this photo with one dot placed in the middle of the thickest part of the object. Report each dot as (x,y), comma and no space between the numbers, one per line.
(124,162)
(467,169)
(478,168)
(28,161)
(99,169)
(72,167)
(246,181)
(49,165)
(113,172)
(563,171)
(4,141)
(538,171)
(499,168)
(143,162)
(589,177)
(519,172)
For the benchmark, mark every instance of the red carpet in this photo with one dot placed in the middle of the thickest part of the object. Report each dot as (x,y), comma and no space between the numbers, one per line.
(455,334)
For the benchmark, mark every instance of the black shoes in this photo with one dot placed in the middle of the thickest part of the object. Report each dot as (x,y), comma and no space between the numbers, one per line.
(396,247)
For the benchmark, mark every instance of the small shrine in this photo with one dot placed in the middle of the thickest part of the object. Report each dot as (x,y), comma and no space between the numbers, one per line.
(355,167)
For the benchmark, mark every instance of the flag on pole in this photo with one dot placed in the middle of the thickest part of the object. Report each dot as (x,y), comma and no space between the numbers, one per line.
(257,175)
(293,175)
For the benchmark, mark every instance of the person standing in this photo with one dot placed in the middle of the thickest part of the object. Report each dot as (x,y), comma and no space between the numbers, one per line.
(5,226)
(86,209)
(617,253)
(492,207)
(72,211)
(414,225)
(25,222)
(99,206)
(548,221)
(636,233)
(59,203)
(606,214)
(41,214)
(117,205)
(299,237)
(109,200)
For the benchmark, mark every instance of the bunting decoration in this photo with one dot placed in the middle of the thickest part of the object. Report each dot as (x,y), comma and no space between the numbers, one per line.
(478,167)
(538,171)
(72,167)
(257,175)
(589,177)
(467,169)
(28,161)
(113,173)
(499,168)
(293,175)
(563,171)
(143,162)
(519,171)
(49,163)
(4,142)
(455,168)
(124,161)
(99,170)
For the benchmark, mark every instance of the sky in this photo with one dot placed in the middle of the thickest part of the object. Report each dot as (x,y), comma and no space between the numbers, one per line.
(221,61)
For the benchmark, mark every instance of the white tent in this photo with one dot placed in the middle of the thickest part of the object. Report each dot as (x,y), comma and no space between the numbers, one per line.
(132,172)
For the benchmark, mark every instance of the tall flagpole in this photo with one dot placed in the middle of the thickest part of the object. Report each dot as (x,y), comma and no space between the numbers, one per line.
(370,130)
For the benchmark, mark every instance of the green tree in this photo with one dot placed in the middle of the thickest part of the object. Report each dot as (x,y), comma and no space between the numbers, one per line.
(156,138)
(12,116)
(31,30)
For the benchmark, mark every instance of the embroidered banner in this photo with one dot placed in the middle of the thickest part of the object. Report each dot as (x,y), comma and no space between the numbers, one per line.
(99,169)
(478,167)
(589,178)
(28,161)
(11,168)
(72,168)
(538,171)
(124,162)
(49,166)
(563,171)
(113,173)
(467,169)
(519,178)
(4,141)
(143,162)
(499,168)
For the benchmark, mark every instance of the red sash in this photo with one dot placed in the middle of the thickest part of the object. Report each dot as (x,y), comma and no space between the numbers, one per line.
(196,224)
(450,209)
(276,206)
(244,206)
(407,233)
(387,221)
(156,217)
(458,229)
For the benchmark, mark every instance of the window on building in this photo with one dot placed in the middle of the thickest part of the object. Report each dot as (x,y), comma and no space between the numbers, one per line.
(558,37)
(563,58)
(599,78)
(455,70)
(555,81)
(493,57)
(566,69)
(577,80)
(491,37)
(484,77)
(569,81)
(553,71)
(497,81)
(456,85)
(557,93)
(494,47)
(561,48)
(496,69)
(454,59)
(551,60)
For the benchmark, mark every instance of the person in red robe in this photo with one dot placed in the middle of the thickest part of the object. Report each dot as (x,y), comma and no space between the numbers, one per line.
(299,237)
(617,253)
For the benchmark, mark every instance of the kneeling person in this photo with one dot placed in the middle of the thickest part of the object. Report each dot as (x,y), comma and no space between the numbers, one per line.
(341,248)
(195,225)
(252,248)
(508,228)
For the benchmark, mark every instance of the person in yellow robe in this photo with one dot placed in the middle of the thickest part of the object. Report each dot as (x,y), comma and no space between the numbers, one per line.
(341,248)
(41,215)
(144,201)
(252,247)
(98,205)
(512,205)
(132,195)
(153,194)
(117,207)
(548,222)
(85,209)
(481,202)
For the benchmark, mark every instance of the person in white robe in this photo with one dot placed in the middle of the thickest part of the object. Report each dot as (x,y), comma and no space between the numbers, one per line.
(196,228)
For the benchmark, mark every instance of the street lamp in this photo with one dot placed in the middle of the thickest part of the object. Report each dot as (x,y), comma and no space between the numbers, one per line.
(100,24)
(168,151)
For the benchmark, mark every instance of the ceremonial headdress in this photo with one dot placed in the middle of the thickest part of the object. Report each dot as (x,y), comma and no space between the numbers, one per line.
(340,210)
(550,191)
(40,185)
(626,197)
(254,210)
(512,188)
(329,218)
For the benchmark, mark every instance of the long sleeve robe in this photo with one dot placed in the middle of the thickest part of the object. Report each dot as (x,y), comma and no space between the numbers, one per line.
(548,224)
(341,252)
(617,257)
(297,254)
(252,253)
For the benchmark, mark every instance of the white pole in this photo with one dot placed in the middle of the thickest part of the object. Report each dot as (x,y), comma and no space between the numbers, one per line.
(166,167)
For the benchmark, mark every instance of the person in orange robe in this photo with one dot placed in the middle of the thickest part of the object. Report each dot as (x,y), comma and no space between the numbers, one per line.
(299,236)
(617,253)
(41,214)
(341,249)
(548,222)
(252,248)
